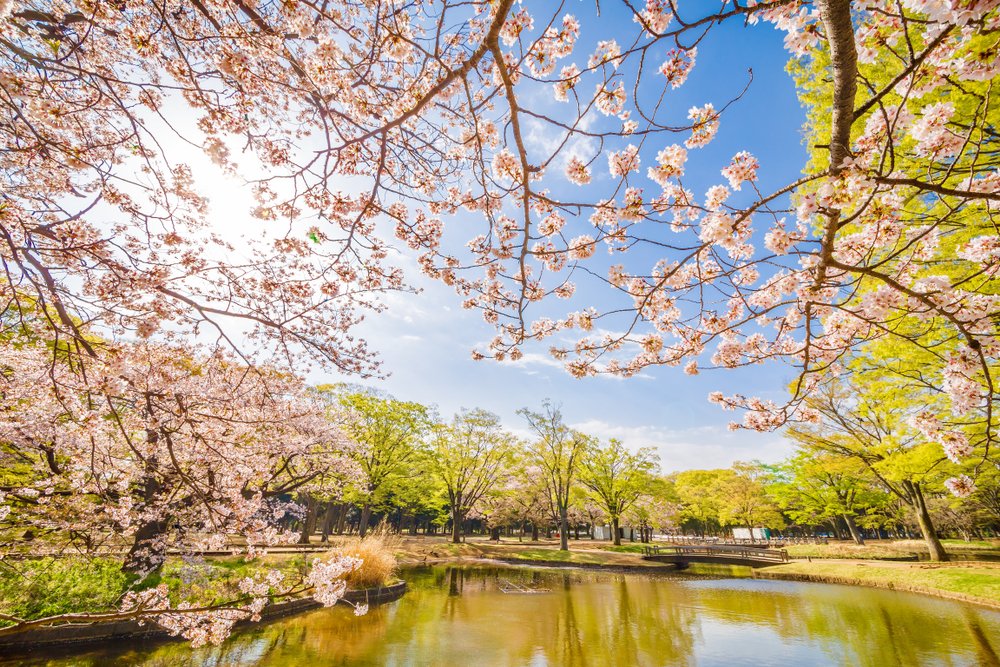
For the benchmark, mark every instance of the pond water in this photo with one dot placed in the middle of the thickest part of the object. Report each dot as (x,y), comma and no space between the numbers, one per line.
(457,616)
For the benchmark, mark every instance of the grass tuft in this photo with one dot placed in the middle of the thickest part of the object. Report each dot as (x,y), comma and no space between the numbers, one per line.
(377,550)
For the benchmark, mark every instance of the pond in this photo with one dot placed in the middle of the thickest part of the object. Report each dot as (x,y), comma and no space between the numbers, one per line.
(458,616)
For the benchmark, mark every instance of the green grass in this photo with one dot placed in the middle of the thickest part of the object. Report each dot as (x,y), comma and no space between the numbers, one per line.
(43,587)
(627,548)
(964,581)
(543,554)
(37,588)
(583,552)
(216,580)
(972,545)
(867,552)
(887,550)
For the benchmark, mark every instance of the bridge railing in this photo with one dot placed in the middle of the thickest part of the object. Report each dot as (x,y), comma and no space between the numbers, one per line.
(745,553)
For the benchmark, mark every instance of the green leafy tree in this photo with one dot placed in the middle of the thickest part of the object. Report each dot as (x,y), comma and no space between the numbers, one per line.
(867,419)
(700,504)
(616,478)
(390,434)
(470,456)
(820,487)
(743,497)
(556,454)
(915,310)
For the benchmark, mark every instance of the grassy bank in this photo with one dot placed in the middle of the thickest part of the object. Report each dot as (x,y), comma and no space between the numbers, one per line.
(41,587)
(422,550)
(891,549)
(970,582)
(852,551)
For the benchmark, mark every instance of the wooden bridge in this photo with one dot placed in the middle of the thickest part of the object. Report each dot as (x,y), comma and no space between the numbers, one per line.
(683,556)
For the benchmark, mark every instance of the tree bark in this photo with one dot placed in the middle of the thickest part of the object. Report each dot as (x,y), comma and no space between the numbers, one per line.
(853,527)
(563,530)
(366,515)
(148,551)
(839,33)
(839,29)
(456,527)
(835,527)
(615,531)
(934,546)
(342,518)
(328,520)
(309,520)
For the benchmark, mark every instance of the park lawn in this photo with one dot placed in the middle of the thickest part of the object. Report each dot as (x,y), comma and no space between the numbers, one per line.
(888,550)
(972,545)
(853,551)
(973,582)
(590,557)
(415,551)
(627,548)
(554,554)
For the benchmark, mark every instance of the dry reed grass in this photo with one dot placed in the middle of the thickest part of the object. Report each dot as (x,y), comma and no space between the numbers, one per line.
(377,550)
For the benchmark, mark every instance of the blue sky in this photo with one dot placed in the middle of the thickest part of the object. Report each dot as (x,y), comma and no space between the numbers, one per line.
(425,340)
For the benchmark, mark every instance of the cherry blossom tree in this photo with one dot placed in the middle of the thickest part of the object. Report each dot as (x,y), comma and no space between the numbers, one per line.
(888,235)
(160,448)
(156,450)
(421,115)
(103,220)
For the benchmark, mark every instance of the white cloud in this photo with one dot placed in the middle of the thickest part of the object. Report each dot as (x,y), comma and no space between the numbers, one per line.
(702,447)
(535,359)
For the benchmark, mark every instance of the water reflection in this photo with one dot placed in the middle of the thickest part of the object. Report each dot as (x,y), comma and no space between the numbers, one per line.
(460,616)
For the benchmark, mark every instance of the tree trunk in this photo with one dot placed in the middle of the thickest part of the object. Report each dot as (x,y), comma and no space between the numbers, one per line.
(456,527)
(934,546)
(328,520)
(342,518)
(563,530)
(534,532)
(835,528)
(366,515)
(148,550)
(615,531)
(853,527)
(309,520)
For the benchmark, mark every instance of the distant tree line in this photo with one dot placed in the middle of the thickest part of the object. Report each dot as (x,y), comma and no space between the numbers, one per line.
(858,473)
